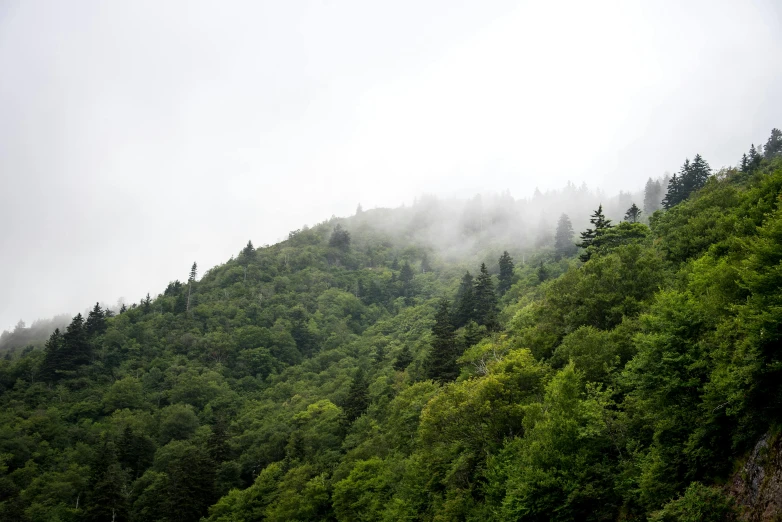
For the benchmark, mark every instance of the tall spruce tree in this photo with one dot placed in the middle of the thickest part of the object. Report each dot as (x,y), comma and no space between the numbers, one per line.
(506,273)
(600,224)
(464,310)
(754,158)
(563,238)
(190,282)
(53,355)
(652,197)
(441,363)
(96,321)
(404,359)
(699,172)
(633,214)
(77,349)
(357,400)
(485,300)
(744,163)
(774,144)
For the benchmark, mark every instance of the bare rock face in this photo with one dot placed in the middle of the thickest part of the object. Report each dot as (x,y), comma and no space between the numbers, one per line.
(757,487)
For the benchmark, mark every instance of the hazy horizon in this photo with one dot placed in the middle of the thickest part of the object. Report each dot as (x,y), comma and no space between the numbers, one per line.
(139,137)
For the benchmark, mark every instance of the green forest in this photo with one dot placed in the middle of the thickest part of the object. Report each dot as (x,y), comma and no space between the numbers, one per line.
(354,372)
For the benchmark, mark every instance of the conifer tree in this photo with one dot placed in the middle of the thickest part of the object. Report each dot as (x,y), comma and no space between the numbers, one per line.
(632,214)
(406,279)
(357,401)
(774,144)
(190,282)
(340,238)
(744,163)
(147,304)
(441,363)
(652,197)
(754,158)
(53,354)
(542,273)
(404,359)
(485,300)
(123,309)
(700,172)
(247,252)
(77,348)
(599,221)
(96,323)
(465,302)
(673,196)
(106,497)
(563,238)
(506,273)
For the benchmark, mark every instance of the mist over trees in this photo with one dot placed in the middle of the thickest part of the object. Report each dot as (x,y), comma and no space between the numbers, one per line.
(452,360)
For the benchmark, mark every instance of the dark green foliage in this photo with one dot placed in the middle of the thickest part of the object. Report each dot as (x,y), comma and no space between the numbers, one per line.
(600,224)
(506,273)
(96,321)
(485,300)
(773,145)
(464,310)
(441,363)
(298,386)
(563,238)
(340,238)
(653,195)
(357,400)
(633,214)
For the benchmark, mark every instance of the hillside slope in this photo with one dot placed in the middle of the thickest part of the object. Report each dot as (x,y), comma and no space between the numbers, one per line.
(355,372)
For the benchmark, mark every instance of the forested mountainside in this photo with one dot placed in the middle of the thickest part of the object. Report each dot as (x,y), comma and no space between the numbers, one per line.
(353,372)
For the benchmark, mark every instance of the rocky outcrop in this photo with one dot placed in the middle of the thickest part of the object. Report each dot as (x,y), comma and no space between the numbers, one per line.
(757,487)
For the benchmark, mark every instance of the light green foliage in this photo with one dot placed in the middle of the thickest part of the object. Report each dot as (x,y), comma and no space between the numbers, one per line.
(294,385)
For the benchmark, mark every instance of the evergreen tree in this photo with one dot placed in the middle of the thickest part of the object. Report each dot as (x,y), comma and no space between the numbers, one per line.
(774,144)
(357,401)
(106,498)
(700,172)
(673,195)
(359,209)
(632,214)
(441,363)
(217,443)
(652,197)
(754,159)
(123,309)
(541,272)
(600,224)
(340,238)
(485,300)
(506,273)
(563,238)
(744,163)
(147,304)
(404,359)
(53,354)
(190,282)
(464,310)
(406,279)
(77,350)
(247,252)
(96,322)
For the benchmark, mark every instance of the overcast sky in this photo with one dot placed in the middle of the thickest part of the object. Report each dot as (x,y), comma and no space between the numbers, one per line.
(139,136)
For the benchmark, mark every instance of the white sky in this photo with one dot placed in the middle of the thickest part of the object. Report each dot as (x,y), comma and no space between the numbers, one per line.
(136,137)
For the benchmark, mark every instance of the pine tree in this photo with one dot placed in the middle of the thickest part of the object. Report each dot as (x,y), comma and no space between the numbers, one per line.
(340,238)
(673,196)
(700,173)
(190,282)
(247,252)
(563,238)
(465,302)
(357,401)
(441,363)
(123,309)
(404,359)
(774,144)
(506,273)
(652,197)
(77,349)
(106,498)
(485,300)
(406,279)
(147,304)
(599,221)
(744,164)
(754,159)
(53,354)
(359,209)
(96,323)
(632,214)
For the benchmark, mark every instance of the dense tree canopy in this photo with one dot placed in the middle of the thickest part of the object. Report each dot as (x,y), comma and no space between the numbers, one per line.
(371,377)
